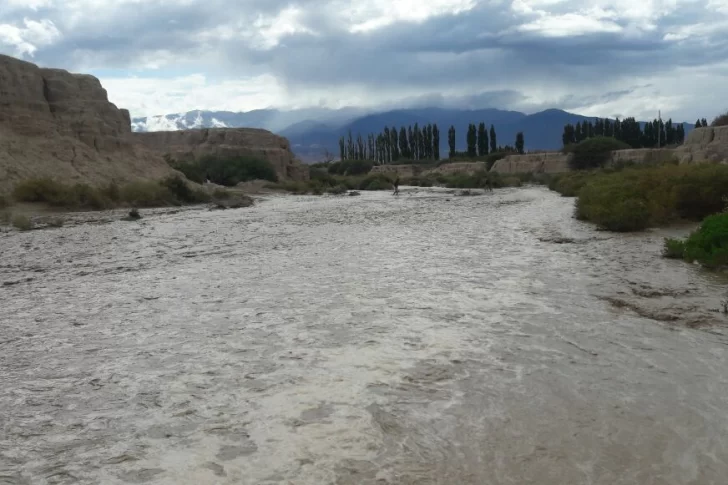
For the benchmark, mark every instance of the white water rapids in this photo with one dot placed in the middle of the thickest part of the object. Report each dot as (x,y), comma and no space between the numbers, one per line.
(422,339)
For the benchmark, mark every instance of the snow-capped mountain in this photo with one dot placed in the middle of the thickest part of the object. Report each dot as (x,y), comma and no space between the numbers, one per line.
(179,121)
(268,119)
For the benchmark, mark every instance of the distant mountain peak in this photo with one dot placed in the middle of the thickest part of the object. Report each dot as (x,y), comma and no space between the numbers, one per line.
(314,131)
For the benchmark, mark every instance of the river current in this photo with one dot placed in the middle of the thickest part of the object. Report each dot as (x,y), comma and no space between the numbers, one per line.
(429,338)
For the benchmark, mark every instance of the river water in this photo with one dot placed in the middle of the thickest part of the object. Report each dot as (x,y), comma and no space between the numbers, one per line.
(424,339)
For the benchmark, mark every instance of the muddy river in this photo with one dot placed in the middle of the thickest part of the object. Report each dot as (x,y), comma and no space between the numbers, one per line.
(424,339)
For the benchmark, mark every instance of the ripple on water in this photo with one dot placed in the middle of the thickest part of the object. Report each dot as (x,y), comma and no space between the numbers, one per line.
(427,338)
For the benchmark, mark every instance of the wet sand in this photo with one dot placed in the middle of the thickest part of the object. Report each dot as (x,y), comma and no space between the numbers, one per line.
(422,339)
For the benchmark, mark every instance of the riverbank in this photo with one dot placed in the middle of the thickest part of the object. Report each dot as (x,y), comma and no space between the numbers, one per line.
(39,203)
(324,183)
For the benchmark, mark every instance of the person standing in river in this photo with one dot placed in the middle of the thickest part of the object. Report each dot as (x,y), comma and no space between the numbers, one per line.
(396,186)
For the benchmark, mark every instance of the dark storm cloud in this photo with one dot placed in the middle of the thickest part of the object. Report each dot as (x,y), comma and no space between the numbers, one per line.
(482,50)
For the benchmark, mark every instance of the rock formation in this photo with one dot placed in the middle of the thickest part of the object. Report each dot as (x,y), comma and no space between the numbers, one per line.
(643,155)
(188,145)
(61,125)
(702,145)
(406,171)
(548,162)
(399,170)
(457,167)
(708,144)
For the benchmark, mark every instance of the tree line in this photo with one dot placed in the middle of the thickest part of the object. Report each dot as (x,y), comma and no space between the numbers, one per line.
(481,141)
(628,131)
(701,123)
(415,143)
(391,145)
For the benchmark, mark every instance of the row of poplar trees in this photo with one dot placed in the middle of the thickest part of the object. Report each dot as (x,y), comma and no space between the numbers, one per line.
(391,145)
(481,141)
(628,130)
(415,143)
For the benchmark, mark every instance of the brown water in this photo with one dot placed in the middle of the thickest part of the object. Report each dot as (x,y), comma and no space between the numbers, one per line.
(426,339)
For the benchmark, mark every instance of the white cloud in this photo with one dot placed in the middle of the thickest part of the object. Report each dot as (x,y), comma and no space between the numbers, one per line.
(268,31)
(149,96)
(375,14)
(569,25)
(260,53)
(27,39)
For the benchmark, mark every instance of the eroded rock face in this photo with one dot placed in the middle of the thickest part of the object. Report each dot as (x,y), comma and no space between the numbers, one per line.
(61,125)
(552,162)
(457,167)
(188,145)
(708,144)
(643,155)
(402,170)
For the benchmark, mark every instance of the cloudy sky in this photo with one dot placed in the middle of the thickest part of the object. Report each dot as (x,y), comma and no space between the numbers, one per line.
(594,57)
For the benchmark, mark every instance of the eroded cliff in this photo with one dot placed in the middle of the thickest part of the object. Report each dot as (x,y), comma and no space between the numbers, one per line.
(533,163)
(61,125)
(188,145)
(708,144)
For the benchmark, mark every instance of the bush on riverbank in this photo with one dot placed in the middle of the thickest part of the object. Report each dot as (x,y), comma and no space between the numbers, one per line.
(321,184)
(227,171)
(479,180)
(708,245)
(593,152)
(170,191)
(636,198)
(568,184)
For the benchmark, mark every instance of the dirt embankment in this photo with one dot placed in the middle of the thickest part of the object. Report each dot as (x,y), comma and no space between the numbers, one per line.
(59,125)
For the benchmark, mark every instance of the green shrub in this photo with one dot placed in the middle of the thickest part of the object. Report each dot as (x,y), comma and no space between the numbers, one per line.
(86,197)
(42,190)
(112,192)
(709,244)
(192,170)
(295,187)
(418,181)
(337,190)
(636,198)
(148,194)
(613,203)
(510,181)
(221,194)
(568,184)
(480,180)
(351,167)
(228,171)
(674,248)
(22,223)
(56,194)
(594,152)
(182,192)
(322,175)
(378,181)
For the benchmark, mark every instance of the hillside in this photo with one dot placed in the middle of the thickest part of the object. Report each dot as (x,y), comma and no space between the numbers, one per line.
(310,137)
(61,125)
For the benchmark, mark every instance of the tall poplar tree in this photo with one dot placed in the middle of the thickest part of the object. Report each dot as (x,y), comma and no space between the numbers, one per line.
(451,140)
(520,142)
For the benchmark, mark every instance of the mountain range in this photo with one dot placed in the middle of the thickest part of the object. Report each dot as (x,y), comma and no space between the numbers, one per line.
(313,131)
